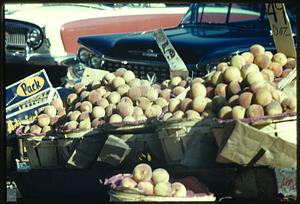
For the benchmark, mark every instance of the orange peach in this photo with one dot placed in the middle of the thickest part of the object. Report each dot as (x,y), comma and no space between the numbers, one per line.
(160,175)
(198,89)
(178,190)
(268,74)
(290,63)
(225,112)
(262,61)
(238,112)
(257,49)
(232,74)
(248,57)
(128,182)
(263,97)
(280,58)
(146,187)
(245,99)
(255,111)
(163,189)
(222,66)
(273,108)
(142,172)
(220,90)
(276,68)
(237,61)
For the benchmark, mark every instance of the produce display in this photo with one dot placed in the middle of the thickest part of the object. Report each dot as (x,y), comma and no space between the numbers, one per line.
(157,182)
(245,87)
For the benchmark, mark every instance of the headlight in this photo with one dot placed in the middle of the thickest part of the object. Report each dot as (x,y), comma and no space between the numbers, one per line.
(83,56)
(78,70)
(95,62)
(34,38)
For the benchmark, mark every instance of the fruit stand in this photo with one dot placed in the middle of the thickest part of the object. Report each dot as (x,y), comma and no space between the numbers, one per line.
(182,139)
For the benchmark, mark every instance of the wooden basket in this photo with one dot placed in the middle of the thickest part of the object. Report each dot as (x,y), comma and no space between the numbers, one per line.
(127,196)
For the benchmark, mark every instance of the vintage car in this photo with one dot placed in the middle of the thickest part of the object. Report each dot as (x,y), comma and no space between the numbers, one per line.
(207,34)
(47,34)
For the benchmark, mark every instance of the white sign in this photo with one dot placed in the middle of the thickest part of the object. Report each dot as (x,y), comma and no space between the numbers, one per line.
(177,66)
(281,29)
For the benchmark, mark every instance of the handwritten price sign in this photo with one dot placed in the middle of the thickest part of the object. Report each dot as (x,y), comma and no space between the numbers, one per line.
(281,28)
(177,66)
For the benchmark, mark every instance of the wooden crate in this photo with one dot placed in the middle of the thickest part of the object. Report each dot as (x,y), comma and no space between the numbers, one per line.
(48,153)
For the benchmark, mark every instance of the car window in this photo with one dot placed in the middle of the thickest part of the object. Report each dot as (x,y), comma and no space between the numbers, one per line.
(216,13)
(187,19)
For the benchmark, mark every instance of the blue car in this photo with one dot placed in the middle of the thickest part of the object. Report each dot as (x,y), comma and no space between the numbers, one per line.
(207,34)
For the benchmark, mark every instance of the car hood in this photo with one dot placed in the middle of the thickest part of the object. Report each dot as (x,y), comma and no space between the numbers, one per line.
(191,42)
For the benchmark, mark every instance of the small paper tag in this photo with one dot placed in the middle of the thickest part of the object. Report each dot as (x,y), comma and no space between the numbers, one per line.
(90,74)
(177,66)
(281,29)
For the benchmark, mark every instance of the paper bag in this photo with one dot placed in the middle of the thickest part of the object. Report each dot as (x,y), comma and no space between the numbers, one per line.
(244,144)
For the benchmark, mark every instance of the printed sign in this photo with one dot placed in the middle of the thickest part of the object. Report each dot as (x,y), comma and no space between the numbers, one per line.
(281,28)
(28,110)
(286,181)
(27,87)
(90,74)
(177,66)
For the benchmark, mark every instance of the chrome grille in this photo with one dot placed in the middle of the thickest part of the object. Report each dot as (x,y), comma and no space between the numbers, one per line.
(140,71)
(15,36)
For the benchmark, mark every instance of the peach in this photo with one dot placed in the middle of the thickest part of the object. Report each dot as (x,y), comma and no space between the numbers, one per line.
(146,186)
(178,90)
(74,115)
(183,83)
(225,112)
(151,112)
(84,95)
(167,116)
(156,87)
(123,89)
(142,172)
(128,76)
(278,95)
(43,120)
(115,118)
(84,116)
(220,90)
(145,82)
(289,104)
(198,89)
(210,91)
(254,77)
(257,49)
(222,66)
(255,111)
(217,103)
(71,125)
(192,115)
(263,97)
(280,58)
(110,109)
(79,87)
(106,94)
(273,108)
(118,81)
(262,61)
(166,94)
(57,103)
(127,100)
(163,189)
(46,129)
(232,74)
(234,100)
(238,112)
(50,111)
(233,88)
(124,109)
(94,96)
(109,77)
(178,190)
(199,104)
(98,112)
(174,105)
(128,182)
(85,124)
(254,87)
(269,54)
(162,102)
(54,120)
(198,80)
(178,114)
(96,123)
(152,94)
(143,102)
(134,82)
(186,104)
(86,106)
(217,78)
(61,112)
(268,74)
(158,109)
(137,111)
(246,69)
(160,175)
(290,63)
(129,119)
(134,93)
(120,71)
(276,68)
(237,61)
(35,129)
(103,102)
(114,97)
(285,73)
(245,99)
(248,57)
(176,80)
